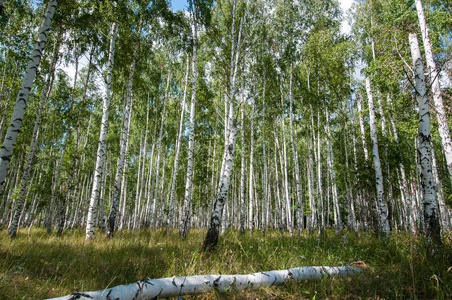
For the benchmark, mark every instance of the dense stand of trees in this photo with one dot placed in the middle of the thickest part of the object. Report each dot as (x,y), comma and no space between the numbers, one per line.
(234,114)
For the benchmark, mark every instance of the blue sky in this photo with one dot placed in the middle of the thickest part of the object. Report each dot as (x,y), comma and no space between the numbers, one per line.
(179,4)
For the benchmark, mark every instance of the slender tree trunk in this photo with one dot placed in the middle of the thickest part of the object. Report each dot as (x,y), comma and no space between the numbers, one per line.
(443,126)
(284,200)
(184,226)
(361,126)
(55,186)
(159,155)
(431,220)
(177,151)
(100,216)
(251,174)
(211,239)
(300,223)
(34,141)
(214,227)
(320,208)
(381,205)
(264,157)
(337,219)
(122,147)
(101,150)
(242,173)
(6,150)
(350,200)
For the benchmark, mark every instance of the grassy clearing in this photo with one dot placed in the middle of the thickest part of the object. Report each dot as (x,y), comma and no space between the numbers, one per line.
(41,266)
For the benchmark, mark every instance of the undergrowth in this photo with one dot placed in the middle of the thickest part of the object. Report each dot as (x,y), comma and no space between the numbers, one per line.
(43,266)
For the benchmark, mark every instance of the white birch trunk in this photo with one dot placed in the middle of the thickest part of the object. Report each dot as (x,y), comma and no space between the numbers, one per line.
(211,238)
(198,284)
(350,200)
(300,221)
(337,219)
(122,147)
(320,209)
(361,126)
(431,220)
(214,227)
(6,150)
(177,150)
(311,189)
(159,155)
(140,175)
(184,226)
(443,126)
(381,205)
(286,181)
(55,186)
(242,173)
(34,143)
(251,174)
(102,147)
(264,175)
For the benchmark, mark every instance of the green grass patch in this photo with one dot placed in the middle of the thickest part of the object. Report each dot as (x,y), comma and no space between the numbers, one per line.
(42,266)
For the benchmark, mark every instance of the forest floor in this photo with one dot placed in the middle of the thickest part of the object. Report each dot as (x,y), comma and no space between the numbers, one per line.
(42,266)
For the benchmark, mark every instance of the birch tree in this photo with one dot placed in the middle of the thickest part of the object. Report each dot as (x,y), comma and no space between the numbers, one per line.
(177,150)
(381,204)
(300,217)
(101,150)
(231,130)
(443,125)
(123,144)
(34,140)
(184,226)
(6,150)
(431,219)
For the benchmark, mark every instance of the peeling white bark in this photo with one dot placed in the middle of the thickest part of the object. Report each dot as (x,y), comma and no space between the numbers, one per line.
(198,284)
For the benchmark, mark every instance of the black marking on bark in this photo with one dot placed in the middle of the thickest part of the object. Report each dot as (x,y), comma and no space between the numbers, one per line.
(108,295)
(274,282)
(174,282)
(78,295)
(147,280)
(215,282)
(157,296)
(265,274)
(140,287)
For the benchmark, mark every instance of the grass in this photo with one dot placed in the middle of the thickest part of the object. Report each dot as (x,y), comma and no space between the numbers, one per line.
(42,266)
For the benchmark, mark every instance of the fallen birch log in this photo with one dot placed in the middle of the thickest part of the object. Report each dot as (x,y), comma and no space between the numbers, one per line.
(198,284)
